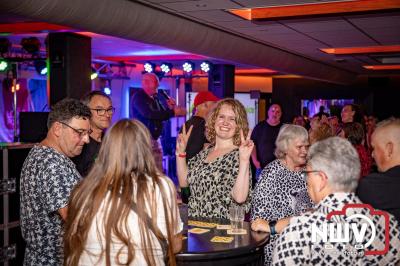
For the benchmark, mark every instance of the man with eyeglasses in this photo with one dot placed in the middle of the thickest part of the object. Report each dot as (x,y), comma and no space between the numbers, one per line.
(102,110)
(47,179)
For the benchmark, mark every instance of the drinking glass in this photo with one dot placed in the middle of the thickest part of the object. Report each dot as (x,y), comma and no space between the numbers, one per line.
(236,216)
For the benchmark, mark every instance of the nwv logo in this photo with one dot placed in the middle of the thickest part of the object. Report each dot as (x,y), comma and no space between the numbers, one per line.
(358,226)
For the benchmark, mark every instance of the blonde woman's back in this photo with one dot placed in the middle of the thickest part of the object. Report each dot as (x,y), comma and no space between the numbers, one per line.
(95,243)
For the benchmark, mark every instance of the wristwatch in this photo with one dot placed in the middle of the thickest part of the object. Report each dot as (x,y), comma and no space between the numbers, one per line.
(272,228)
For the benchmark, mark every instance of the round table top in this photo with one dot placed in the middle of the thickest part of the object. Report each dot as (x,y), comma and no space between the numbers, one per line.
(197,246)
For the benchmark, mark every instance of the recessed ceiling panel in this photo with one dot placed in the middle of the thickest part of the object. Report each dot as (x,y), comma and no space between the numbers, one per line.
(344,38)
(213,15)
(201,5)
(263,3)
(368,22)
(317,26)
(385,35)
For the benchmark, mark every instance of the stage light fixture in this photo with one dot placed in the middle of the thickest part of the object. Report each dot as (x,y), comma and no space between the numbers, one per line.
(188,67)
(149,67)
(205,66)
(31,45)
(5,45)
(3,65)
(94,74)
(40,66)
(107,90)
(166,67)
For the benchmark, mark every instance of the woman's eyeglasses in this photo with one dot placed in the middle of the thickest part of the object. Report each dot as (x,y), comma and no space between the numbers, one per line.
(101,111)
(81,132)
(304,174)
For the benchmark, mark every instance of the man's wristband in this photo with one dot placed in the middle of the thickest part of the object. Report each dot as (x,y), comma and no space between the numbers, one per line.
(181,155)
(272,228)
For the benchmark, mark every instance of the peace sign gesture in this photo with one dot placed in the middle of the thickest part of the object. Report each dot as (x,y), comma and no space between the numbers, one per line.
(182,139)
(246,146)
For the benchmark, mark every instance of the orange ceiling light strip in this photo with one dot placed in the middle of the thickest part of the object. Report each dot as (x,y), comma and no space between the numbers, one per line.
(317,9)
(383,67)
(31,27)
(362,50)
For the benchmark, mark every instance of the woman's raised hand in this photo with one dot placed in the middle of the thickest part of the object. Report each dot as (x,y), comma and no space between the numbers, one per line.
(246,146)
(182,139)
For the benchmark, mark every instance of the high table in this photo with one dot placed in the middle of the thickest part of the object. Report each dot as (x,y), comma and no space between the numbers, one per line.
(245,249)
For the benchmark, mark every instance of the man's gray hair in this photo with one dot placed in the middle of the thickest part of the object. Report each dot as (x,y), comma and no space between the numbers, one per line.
(339,160)
(392,121)
(287,134)
(153,75)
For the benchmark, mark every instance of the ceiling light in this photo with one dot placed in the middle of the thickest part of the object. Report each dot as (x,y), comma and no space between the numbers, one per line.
(31,45)
(3,65)
(188,67)
(94,74)
(362,50)
(40,66)
(166,67)
(382,67)
(205,66)
(149,67)
(107,90)
(5,46)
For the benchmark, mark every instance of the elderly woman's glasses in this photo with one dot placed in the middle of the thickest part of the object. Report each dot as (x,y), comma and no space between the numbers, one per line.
(81,132)
(101,111)
(304,174)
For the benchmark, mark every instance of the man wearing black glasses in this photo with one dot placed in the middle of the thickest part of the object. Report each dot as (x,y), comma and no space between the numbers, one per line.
(102,110)
(47,179)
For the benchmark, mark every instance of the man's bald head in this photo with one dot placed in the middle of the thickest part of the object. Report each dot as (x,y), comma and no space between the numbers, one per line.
(150,83)
(386,144)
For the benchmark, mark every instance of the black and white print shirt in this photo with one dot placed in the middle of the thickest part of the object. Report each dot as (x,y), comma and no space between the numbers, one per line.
(47,178)
(211,184)
(280,193)
(295,246)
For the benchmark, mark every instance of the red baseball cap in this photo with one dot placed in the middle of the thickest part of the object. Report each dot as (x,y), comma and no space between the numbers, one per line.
(204,96)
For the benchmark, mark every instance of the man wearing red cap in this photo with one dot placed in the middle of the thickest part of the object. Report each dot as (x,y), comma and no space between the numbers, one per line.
(203,104)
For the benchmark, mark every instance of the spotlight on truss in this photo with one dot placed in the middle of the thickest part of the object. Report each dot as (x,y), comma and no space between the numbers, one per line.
(205,66)
(149,67)
(166,67)
(188,67)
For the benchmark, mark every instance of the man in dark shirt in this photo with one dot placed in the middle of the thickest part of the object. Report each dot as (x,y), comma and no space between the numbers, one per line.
(147,108)
(321,112)
(203,104)
(102,110)
(264,136)
(381,190)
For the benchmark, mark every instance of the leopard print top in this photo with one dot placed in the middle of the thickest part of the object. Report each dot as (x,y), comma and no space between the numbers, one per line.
(211,184)
(280,193)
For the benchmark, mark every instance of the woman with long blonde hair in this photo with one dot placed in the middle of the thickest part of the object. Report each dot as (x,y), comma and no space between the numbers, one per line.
(219,176)
(124,212)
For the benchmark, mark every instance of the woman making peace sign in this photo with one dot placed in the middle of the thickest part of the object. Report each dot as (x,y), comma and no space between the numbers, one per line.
(219,175)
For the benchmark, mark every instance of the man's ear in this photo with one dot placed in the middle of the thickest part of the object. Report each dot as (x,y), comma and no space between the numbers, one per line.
(323,181)
(389,149)
(56,129)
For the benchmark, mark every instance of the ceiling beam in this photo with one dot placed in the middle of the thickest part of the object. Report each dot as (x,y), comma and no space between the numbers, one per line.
(317,9)
(31,27)
(139,22)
